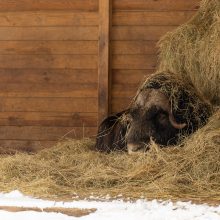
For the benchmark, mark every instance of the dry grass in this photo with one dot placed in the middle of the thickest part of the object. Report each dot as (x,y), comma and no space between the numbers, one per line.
(193,50)
(189,172)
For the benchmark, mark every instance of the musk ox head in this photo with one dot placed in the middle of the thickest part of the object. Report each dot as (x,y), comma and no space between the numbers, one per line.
(165,109)
(151,118)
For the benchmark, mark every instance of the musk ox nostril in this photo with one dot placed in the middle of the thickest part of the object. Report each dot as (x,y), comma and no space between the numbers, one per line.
(132,148)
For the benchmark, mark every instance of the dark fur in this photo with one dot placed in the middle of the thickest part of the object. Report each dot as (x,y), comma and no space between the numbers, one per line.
(111,134)
(154,124)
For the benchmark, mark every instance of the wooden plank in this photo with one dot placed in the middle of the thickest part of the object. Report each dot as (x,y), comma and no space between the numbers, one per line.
(120,104)
(48,90)
(139,32)
(38,133)
(49,61)
(10,104)
(104,67)
(49,33)
(158,5)
(133,62)
(33,5)
(170,18)
(48,47)
(58,76)
(59,119)
(121,91)
(12,146)
(134,47)
(48,18)
(127,77)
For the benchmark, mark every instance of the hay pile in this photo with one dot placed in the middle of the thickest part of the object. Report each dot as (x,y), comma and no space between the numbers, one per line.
(193,50)
(189,172)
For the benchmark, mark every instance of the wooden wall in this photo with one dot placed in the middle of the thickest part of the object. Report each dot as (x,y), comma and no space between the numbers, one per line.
(137,26)
(49,62)
(48,71)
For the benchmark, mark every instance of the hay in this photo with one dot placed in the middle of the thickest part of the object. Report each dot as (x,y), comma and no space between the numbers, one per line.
(73,167)
(193,50)
(187,105)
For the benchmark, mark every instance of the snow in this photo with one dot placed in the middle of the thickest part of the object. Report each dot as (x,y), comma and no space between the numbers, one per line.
(108,210)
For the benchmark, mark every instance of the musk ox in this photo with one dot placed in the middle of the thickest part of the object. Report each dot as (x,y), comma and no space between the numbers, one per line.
(165,109)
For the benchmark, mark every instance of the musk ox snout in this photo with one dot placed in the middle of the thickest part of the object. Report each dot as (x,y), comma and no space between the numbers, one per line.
(134,148)
(147,124)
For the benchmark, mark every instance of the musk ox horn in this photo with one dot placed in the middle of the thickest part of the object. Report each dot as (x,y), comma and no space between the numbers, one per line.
(174,123)
(151,97)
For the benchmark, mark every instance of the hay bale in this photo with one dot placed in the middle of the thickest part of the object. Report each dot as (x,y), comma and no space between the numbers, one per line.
(73,166)
(193,50)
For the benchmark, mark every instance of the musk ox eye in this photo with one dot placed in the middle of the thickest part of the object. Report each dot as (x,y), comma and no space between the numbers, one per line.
(162,118)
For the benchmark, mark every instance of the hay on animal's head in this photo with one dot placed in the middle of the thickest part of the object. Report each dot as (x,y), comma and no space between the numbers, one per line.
(193,50)
(187,105)
(188,172)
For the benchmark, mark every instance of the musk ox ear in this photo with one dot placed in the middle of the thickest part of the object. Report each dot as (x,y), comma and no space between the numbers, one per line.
(111,133)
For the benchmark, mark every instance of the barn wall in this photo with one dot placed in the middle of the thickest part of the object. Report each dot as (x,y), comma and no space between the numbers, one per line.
(48,71)
(49,63)
(137,26)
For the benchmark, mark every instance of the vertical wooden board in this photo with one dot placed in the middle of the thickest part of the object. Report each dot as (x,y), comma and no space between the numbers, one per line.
(104,78)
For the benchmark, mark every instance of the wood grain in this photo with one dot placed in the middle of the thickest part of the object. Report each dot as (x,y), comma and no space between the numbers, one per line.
(151,18)
(9,104)
(104,68)
(134,62)
(48,90)
(158,5)
(40,133)
(33,5)
(134,47)
(49,33)
(122,91)
(120,104)
(49,47)
(48,18)
(49,61)
(127,77)
(139,32)
(57,76)
(59,119)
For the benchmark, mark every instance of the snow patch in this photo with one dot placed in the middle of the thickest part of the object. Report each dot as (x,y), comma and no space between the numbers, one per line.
(109,210)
